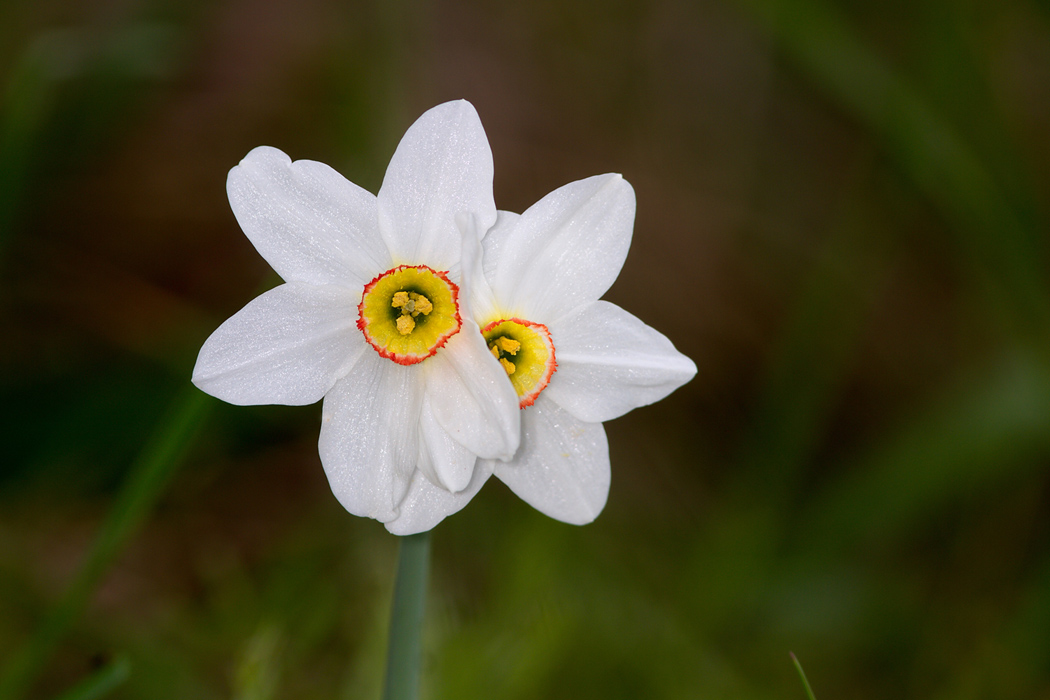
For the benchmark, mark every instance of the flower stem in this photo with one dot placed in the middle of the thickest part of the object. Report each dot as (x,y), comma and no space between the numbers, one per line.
(404,653)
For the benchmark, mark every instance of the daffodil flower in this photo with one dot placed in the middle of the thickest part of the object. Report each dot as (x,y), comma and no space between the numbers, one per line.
(573,360)
(373,317)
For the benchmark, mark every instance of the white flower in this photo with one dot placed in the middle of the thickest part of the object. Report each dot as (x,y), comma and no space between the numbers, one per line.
(574,360)
(372,317)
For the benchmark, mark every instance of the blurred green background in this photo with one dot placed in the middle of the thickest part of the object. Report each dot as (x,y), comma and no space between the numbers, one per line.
(842,218)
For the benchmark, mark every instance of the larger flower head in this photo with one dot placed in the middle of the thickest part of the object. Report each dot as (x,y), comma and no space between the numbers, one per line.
(372,317)
(573,360)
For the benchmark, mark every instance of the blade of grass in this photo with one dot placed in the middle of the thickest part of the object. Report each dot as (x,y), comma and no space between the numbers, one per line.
(27,100)
(259,670)
(802,675)
(145,482)
(101,682)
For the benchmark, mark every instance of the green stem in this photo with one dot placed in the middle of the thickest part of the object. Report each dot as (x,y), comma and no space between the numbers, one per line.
(404,653)
(144,484)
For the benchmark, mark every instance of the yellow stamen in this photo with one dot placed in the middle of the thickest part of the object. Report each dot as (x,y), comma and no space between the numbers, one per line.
(405,325)
(507,365)
(508,345)
(411,304)
(421,305)
(495,350)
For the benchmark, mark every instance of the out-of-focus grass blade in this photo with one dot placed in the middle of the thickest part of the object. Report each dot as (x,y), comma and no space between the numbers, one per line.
(1005,251)
(813,355)
(987,431)
(1024,635)
(802,676)
(26,101)
(144,484)
(258,673)
(101,682)
(68,88)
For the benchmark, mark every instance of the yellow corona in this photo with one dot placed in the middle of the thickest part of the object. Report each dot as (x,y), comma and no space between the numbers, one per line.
(407,313)
(526,352)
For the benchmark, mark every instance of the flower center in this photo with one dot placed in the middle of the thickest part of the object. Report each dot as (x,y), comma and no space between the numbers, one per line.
(526,352)
(407,313)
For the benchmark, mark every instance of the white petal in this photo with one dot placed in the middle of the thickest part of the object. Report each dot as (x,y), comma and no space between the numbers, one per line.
(288,345)
(562,466)
(369,434)
(564,251)
(471,396)
(442,166)
(308,221)
(444,461)
(476,298)
(426,505)
(609,362)
(484,305)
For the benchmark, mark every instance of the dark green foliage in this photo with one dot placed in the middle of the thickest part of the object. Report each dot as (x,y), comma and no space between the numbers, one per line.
(841,218)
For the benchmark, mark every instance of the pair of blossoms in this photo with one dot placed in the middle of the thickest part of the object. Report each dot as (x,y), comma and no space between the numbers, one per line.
(450,342)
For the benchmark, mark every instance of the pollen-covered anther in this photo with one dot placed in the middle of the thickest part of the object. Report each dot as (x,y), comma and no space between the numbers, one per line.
(405,325)
(508,345)
(420,304)
(407,313)
(526,353)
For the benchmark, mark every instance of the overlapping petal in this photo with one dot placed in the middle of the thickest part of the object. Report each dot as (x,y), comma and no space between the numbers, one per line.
(443,460)
(309,222)
(563,251)
(471,397)
(609,362)
(476,296)
(426,505)
(289,346)
(369,436)
(562,466)
(443,166)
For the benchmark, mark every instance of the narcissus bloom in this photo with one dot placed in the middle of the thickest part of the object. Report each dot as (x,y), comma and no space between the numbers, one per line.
(372,316)
(574,360)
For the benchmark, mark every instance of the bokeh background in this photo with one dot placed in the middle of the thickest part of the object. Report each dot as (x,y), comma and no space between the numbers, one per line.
(842,218)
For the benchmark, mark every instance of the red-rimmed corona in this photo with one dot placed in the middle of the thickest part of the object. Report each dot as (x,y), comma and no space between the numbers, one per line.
(526,352)
(408,312)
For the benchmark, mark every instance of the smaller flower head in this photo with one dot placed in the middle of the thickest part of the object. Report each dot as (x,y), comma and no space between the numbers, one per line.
(574,361)
(526,352)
